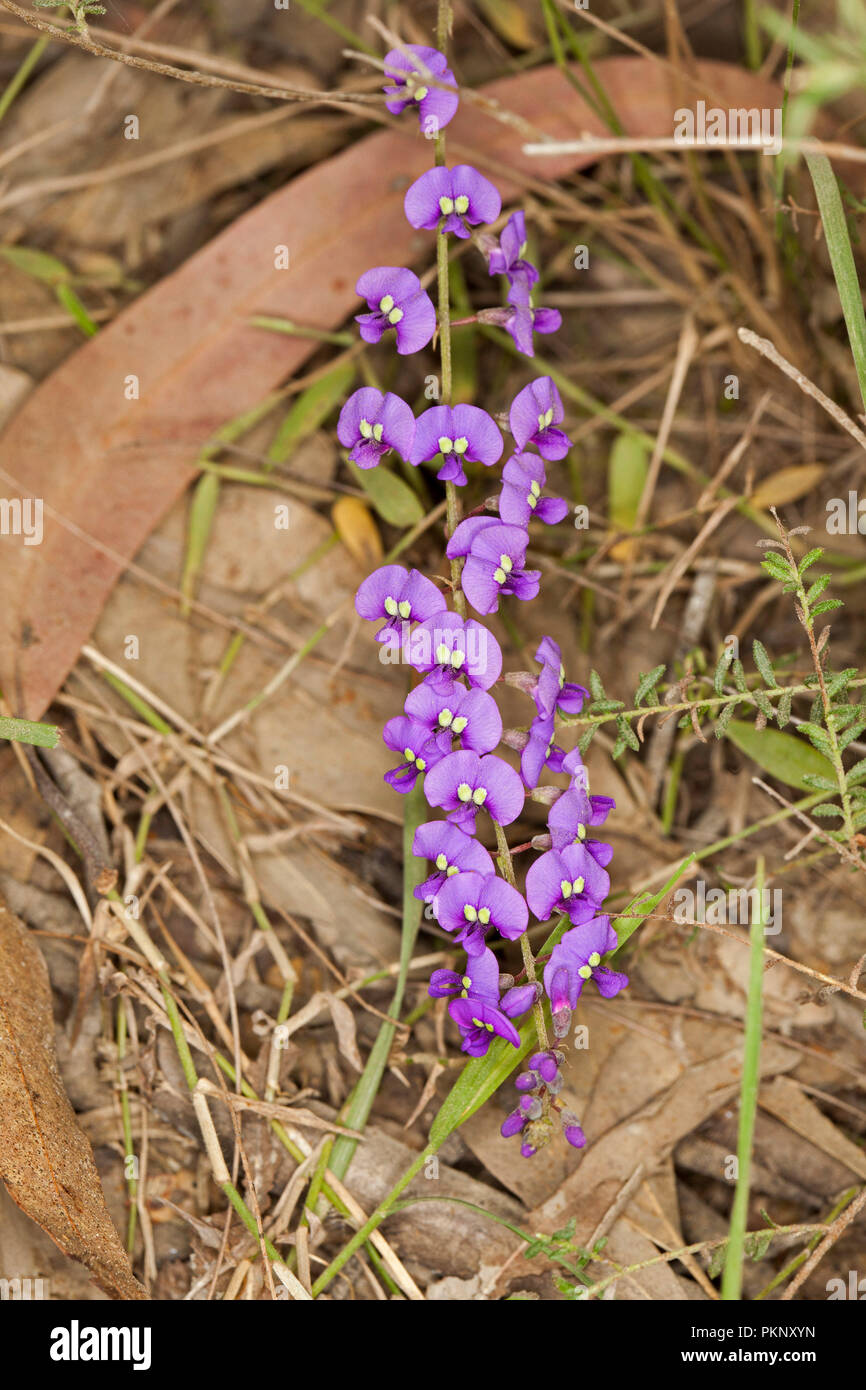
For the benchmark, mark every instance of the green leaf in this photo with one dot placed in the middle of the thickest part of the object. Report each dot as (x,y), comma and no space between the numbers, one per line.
(628,735)
(816,590)
(826,607)
(725,718)
(856,774)
(36,264)
(841,259)
(647,684)
(740,677)
(23,731)
(724,662)
(810,559)
(393,498)
(763,663)
(202,510)
(311,410)
(781,755)
(783,709)
(596,686)
(627,923)
(73,306)
(627,473)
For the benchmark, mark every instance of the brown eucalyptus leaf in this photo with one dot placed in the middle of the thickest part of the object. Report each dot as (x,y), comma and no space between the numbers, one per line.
(46,1161)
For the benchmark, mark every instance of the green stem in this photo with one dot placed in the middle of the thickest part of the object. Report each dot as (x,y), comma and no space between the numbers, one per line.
(732,1278)
(507,867)
(373,1222)
(17,81)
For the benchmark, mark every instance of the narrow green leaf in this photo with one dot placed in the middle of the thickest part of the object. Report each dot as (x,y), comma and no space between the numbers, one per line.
(36,264)
(647,685)
(310,410)
(23,731)
(202,509)
(764,665)
(627,473)
(841,259)
(393,498)
(782,755)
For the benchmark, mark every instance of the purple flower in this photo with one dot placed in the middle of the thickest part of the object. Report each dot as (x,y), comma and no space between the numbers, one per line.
(495,555)
(567,880)
(475,1004)
(464,432)
(396,300)
(371,423)
(523,477)
(462,783)
(398,595)
(480,979)
(471,715)
(534,414)
(447,646)
(505,257)
(576,958)
(451,851)
(470,903)
(569,816)
(553,694)
(435,106)
(418,750)
(540,751)
(521,321)
(460,196)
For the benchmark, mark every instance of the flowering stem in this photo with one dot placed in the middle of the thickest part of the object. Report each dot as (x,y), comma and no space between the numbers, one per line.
(443,29)
(528,959)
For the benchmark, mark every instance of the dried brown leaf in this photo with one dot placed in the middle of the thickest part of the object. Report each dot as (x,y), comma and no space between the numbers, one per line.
(46,1161)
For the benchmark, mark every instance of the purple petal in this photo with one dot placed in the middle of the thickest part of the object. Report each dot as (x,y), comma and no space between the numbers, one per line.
(381,584)
(518,1000)
(422,201)
(505,797)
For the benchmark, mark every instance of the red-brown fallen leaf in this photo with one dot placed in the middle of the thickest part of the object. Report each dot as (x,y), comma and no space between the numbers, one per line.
(45,1159)
(111,467)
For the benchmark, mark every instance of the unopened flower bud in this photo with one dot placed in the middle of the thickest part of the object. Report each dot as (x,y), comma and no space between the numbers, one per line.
(512,1124)
(526,1081)
(515,738)
(562,1023)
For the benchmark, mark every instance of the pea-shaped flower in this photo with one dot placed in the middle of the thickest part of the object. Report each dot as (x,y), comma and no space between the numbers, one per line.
(462,783)
(523,478)
(411,86)
(417,750)
(573,814)
(396,300)
(505,256)
(371,423)
(448,646)
(463,433)
(454,711)
(399,596)
(471,904)
(534,415)
(476,1006)
(575,959)
(553,693)
(456,199)
(568,880)
(450,851)
(495,556)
